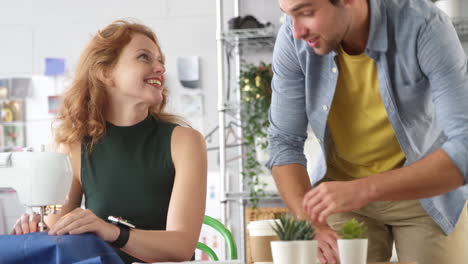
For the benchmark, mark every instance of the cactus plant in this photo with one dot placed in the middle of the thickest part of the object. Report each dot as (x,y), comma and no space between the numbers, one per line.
(291,228)
(352,229)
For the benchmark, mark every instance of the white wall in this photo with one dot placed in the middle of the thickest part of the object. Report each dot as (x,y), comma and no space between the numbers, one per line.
(33,30)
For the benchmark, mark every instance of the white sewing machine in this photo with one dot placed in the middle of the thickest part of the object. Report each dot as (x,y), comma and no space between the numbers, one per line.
(39,178)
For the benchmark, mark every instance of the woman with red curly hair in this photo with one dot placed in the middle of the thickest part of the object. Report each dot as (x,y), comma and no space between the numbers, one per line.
(130,158)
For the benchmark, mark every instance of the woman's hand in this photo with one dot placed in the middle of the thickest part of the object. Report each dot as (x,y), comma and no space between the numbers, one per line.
(26,224)
(81,221)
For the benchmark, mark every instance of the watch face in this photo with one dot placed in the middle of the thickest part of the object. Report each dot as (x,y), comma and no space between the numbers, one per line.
(119,221)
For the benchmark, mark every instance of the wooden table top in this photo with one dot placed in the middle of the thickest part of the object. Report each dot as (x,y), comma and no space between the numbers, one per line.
(393,262)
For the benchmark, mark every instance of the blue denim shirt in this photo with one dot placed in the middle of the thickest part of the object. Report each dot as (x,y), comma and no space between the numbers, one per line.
(423,81)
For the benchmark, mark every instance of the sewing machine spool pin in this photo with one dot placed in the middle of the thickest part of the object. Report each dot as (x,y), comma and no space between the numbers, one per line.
(42,225)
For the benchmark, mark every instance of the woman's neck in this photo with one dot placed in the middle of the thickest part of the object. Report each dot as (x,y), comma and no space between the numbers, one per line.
(126,115)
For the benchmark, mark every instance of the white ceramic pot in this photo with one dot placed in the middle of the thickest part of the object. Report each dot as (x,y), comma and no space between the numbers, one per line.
(453,8)
(352,251)
(297,252)
(307,251)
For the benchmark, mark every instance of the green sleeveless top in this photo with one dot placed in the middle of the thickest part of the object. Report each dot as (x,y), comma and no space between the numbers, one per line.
(130,174)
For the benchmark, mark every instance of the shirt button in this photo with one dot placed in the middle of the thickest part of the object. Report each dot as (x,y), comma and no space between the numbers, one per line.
(334,69)
(325,108)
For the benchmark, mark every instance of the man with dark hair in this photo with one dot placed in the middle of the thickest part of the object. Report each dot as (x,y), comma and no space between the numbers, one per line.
(384,86)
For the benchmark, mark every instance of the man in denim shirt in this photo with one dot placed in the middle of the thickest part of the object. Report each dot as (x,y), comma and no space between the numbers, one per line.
(384,86)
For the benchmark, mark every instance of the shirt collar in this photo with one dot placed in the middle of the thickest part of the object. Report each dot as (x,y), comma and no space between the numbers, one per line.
(378,40)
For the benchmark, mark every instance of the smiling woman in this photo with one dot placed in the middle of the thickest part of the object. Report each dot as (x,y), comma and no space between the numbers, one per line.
(113,63)
(130,158)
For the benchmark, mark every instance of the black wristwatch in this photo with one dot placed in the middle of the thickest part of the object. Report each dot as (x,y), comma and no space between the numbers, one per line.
(124,227)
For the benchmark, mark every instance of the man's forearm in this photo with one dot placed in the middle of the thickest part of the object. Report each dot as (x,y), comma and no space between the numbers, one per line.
(433,175)
(293,183)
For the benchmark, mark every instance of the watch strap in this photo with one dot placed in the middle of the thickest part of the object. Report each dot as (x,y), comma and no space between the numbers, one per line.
(123,237)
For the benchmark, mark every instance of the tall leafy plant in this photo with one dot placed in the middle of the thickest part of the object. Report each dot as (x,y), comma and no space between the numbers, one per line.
(255,84)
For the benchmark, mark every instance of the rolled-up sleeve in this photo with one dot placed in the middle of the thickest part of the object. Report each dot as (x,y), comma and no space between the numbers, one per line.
(444,62)
(287,115)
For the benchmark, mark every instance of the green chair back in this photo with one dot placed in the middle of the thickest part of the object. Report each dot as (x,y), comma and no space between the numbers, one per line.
(227,235)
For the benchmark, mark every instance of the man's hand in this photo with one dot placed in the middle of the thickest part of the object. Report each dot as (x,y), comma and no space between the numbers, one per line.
(327,245)
(334,197)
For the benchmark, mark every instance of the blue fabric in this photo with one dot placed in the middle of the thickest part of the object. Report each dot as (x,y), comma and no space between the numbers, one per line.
(40,248)
(423,81)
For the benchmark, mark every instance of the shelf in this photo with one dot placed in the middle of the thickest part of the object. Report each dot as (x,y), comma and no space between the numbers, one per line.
(265,37)
(461,25)
(11,99)
(252,37)
(236,196)
(11,123)
(250,33)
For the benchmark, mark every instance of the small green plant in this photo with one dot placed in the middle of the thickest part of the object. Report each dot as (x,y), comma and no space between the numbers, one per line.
(352,229)
(291,228)
(255,84)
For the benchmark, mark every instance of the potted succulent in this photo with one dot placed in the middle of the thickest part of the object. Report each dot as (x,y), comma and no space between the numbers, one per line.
(295,244)
(352,245)
(255,84)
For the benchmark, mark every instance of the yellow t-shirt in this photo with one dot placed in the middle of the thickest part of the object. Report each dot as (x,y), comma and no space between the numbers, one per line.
(363,141)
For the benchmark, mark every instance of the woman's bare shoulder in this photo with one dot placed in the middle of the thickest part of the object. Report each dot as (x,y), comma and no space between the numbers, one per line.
(186,135)
(73,151)
(186,142)
(69,148)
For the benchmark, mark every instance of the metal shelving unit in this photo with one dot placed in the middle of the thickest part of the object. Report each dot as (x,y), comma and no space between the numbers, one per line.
(461,25)
(231,44)
(243,196)
(250,39)
(251,33)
